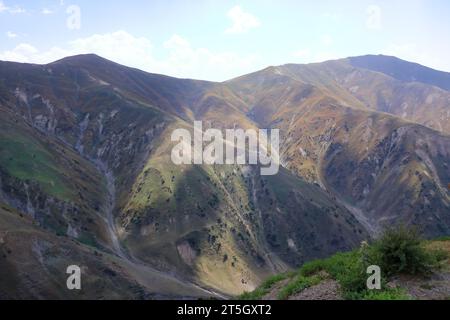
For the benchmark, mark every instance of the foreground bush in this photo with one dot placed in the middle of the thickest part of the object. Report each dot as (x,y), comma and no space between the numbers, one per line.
(400,250)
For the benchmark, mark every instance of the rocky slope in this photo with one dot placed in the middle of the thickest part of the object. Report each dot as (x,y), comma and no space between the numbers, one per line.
(353,152)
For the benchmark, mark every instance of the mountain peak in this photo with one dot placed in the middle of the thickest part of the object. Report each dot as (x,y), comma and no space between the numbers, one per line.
(402,70)
(88,58)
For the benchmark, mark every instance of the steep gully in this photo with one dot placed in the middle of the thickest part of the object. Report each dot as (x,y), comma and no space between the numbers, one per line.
(144,272)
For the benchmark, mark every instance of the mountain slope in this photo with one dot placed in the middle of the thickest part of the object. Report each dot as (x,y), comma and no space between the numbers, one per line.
(352,86)
(206,225)
(351,151)
(403,70)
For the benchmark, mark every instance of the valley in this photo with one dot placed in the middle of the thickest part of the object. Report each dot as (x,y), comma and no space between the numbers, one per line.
(86,175)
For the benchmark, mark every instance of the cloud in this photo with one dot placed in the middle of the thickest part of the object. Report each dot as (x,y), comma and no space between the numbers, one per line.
(22,53)
(181,58)
(12,10)
(242,21)
(46,11)
(11,34)
(373,20)
(185,61)
(308,56)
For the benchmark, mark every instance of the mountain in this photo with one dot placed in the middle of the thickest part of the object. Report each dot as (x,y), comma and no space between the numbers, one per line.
(86,175)
(355,149)
(403,70)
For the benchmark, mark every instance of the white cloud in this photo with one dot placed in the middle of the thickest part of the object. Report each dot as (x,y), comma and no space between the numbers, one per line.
(22,53)
(182,59)
(46,11)
(11,34)
(308,56)
(242,21)
(185,61)
(373,20)
(12,10)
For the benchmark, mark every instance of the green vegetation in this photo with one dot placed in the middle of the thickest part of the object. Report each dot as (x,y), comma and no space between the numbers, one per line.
(445,238)
(387,294)
(26,159)
(300,283)
(399,250)
(263,289)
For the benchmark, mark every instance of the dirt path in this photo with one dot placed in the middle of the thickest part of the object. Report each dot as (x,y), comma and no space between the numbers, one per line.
(326,290)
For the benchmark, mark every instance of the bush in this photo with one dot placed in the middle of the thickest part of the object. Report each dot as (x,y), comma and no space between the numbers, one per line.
(400,250)
(347,268)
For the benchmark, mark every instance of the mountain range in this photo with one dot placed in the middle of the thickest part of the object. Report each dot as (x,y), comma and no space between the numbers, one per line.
(86,176)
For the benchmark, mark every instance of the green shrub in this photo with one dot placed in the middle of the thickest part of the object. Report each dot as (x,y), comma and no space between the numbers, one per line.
(348,268)
(437,256)
(256,294)
(313,267)
(400,250)
(299,284)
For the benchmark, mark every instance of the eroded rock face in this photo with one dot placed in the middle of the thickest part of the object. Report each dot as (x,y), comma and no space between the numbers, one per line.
(187,253)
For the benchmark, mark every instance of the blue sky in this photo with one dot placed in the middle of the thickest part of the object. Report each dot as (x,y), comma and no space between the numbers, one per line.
(218,40)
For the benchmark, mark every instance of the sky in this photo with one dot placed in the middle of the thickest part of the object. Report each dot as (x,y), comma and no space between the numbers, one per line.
(218,39)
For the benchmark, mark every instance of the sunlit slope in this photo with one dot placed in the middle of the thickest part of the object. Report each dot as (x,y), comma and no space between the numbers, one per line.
(227,226)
